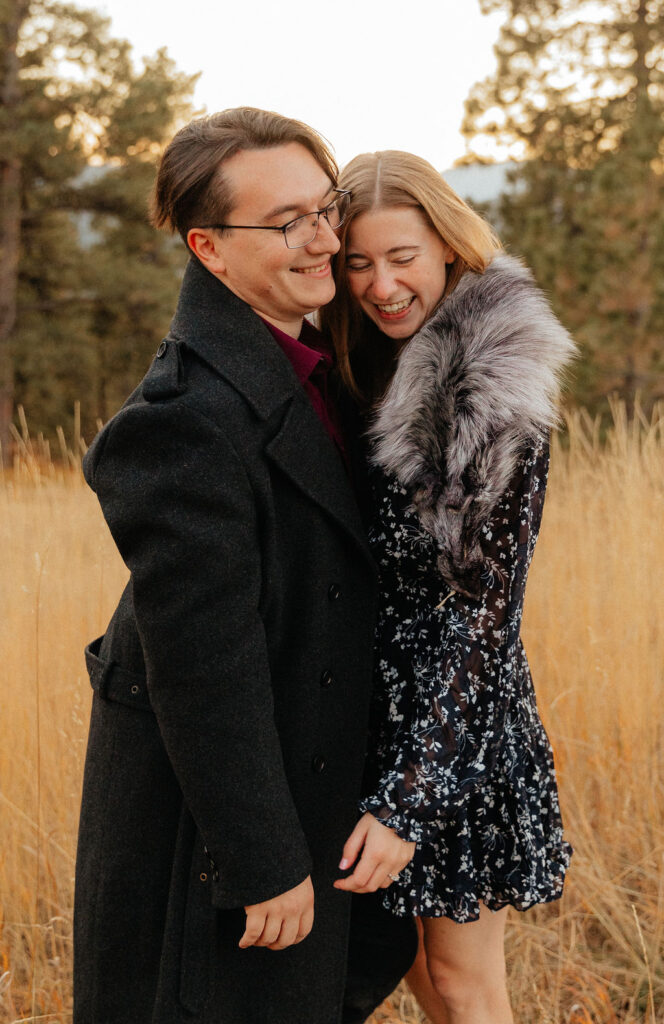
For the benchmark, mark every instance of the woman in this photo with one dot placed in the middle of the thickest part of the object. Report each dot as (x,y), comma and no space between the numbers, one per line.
(454,356)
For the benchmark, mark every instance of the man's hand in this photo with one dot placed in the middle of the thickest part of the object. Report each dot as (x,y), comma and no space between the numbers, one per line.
(281,921)
(384,855)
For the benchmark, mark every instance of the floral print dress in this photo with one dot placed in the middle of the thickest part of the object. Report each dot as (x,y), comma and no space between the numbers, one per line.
(459,760)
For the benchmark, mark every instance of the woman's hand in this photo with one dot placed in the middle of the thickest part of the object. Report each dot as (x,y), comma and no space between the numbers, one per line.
(384,855)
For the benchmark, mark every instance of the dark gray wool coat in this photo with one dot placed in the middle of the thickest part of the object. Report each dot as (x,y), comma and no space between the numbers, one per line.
(229,720)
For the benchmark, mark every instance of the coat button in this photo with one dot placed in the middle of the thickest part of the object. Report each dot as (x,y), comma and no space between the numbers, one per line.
(215,875)
(326,679)
(318,764)
(334,593)
(161,351)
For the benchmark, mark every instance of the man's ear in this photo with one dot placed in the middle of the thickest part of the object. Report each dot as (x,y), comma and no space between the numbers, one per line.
(204,243)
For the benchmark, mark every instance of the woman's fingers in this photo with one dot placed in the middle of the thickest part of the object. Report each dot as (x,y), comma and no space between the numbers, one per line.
(383,854)
(370,874)
(362,872)
(354,844)
(370,881)
(373,871)
(377,878)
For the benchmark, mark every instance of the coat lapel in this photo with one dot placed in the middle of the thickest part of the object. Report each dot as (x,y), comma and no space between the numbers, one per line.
(303,451)
(233,340)
(226,333)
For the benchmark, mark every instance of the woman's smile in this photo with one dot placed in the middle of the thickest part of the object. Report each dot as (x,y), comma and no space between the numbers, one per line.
(396,266)
(396,310)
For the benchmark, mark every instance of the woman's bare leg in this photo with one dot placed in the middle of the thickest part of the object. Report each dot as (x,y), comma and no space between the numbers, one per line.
(420,984)
(465,965)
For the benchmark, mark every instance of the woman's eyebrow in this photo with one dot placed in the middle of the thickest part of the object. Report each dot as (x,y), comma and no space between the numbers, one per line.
(400,248)
(390,252)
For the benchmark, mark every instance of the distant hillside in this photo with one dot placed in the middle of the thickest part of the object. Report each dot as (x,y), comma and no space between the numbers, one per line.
(480,183)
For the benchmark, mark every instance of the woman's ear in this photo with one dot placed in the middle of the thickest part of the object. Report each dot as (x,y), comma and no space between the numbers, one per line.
(450,254)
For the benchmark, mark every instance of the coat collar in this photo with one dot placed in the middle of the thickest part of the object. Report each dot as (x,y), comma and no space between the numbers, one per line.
(487,363)
(226,333)
(472,388)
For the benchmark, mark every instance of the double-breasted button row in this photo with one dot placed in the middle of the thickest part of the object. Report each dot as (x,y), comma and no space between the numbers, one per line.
(334,592)
(326,679)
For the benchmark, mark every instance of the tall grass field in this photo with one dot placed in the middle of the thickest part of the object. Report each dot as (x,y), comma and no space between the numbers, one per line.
(594,632)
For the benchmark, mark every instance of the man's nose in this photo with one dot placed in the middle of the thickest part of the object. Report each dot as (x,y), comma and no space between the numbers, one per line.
(326,238)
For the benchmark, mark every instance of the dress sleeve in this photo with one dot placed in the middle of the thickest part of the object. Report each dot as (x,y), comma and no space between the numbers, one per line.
(433,762)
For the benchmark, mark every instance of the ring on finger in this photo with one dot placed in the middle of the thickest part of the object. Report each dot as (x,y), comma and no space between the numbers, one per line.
(393,877)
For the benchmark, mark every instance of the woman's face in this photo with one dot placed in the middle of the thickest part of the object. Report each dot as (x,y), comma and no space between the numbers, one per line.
(396,267)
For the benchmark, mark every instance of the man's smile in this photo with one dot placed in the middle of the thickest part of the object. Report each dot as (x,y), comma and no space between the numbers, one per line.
(322,269)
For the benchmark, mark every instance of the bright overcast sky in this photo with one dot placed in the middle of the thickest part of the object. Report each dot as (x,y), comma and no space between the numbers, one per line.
(368,74)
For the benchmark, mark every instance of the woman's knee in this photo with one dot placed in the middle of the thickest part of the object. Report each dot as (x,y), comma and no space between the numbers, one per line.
(451,983)
(462,986)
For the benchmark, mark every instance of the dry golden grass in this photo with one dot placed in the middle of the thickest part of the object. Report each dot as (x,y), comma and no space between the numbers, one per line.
(595,637)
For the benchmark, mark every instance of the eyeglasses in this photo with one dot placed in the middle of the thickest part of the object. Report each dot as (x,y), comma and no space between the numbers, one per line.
(304,229)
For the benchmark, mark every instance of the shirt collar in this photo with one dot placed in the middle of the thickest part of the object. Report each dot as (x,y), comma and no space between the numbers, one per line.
(305,353)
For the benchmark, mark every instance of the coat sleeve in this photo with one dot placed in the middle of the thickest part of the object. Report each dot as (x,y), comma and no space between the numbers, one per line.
(181,510)
(432,763)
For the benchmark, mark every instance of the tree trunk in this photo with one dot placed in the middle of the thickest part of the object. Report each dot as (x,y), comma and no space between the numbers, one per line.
(101,411)
(10,211)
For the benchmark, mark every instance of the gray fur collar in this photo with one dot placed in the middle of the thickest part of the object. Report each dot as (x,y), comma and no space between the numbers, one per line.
(472,387)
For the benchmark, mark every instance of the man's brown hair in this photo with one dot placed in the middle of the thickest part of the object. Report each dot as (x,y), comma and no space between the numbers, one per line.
(191,190)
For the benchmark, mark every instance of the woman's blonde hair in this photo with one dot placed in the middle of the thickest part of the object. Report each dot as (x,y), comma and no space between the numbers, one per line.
(378,181)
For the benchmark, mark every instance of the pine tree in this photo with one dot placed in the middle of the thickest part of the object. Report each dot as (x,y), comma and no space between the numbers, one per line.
(72,312)
(12,14)
(578,98)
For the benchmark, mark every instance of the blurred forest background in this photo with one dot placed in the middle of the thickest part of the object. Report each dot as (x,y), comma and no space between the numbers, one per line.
(87,287)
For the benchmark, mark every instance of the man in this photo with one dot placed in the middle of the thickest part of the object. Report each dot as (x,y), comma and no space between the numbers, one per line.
(228,723)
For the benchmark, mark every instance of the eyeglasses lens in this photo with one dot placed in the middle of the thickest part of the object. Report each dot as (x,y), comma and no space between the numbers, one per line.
(303,230)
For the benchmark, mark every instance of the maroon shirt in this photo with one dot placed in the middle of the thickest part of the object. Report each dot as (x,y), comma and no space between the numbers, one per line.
(311,358)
